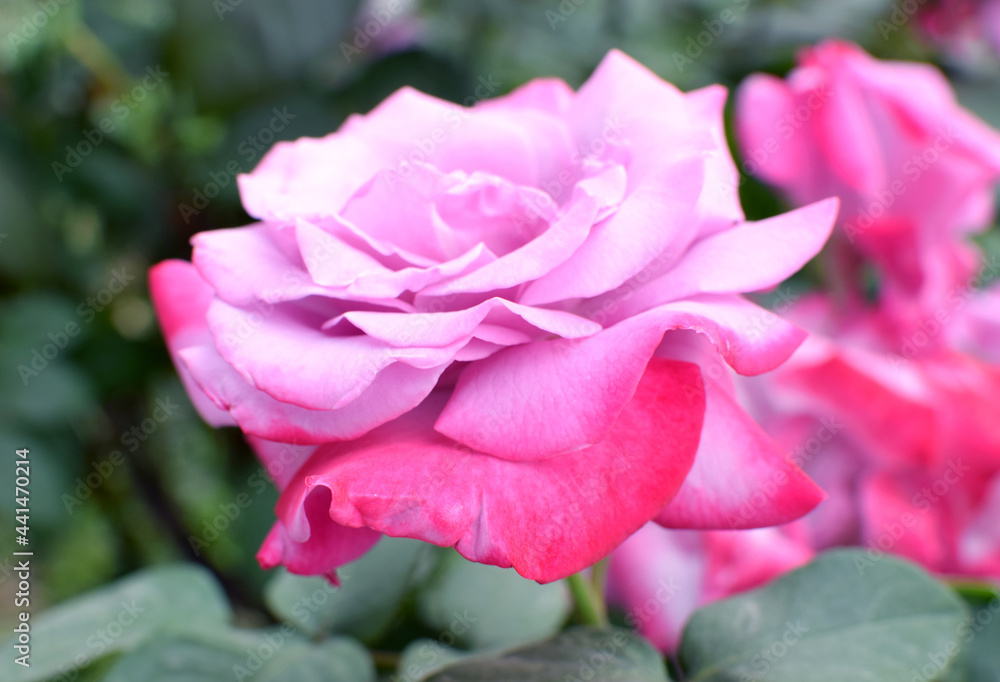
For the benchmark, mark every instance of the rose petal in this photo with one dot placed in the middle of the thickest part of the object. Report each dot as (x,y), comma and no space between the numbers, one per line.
(547,519)
(763,487)
(328,546)
(287,354)
(556,396)
(394,391)
(444,329)
(752,256)
(655,216)
(181,299)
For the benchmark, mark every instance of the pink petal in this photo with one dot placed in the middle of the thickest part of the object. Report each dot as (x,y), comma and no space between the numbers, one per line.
(657,215)
(719,203)
(444,329)
(308,177)
(354,274)
(551,397)
(772,150)
(284,352)
(281,460)
(765,488)
(328,545)
(181,299)
(410,128)
(394,391)
(624,103)
(534,259)
(749,257)
(255,263)
(547,519)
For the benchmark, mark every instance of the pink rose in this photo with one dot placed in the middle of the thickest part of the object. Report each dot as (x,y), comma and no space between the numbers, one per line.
(965,28)
(660,577)
(485,327)
(914,170)
(913,464)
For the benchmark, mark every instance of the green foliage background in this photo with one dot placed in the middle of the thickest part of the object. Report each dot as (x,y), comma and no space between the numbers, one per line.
(230,65)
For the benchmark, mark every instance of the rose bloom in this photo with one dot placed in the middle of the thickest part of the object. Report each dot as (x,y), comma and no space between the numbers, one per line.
(915,172)
(485,327)
(965,28)
(913,464)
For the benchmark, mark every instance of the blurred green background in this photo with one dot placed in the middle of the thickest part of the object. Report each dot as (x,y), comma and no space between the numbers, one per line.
(122,125)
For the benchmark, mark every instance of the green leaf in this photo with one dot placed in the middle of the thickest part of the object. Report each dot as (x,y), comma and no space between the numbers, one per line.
(423,657)
(276,655)
(118,618)
(577,654)
(842,617)
(485,607)
(371,591)
(979,637)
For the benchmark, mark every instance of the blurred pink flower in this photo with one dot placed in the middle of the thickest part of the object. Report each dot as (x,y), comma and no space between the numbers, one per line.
(915,172)
(920,436)
(963,28)
(659,577)
(485,327)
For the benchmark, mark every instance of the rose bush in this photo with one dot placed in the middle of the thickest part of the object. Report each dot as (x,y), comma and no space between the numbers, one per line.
(486,327)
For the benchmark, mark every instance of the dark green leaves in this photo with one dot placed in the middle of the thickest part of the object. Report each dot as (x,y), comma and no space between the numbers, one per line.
(117,618)
(842,617)
(267,656)
(485,607)
(575,655)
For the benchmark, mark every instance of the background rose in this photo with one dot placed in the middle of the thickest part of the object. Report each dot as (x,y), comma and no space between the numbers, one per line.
(660,577)
(464,305)
(914,170)
(964,28)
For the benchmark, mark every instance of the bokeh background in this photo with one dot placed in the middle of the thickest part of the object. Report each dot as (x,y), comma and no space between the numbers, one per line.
(122,126)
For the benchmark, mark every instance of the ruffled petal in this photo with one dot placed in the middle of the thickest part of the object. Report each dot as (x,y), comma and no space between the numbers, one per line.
(762,487)
(557,396)
(547,519)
